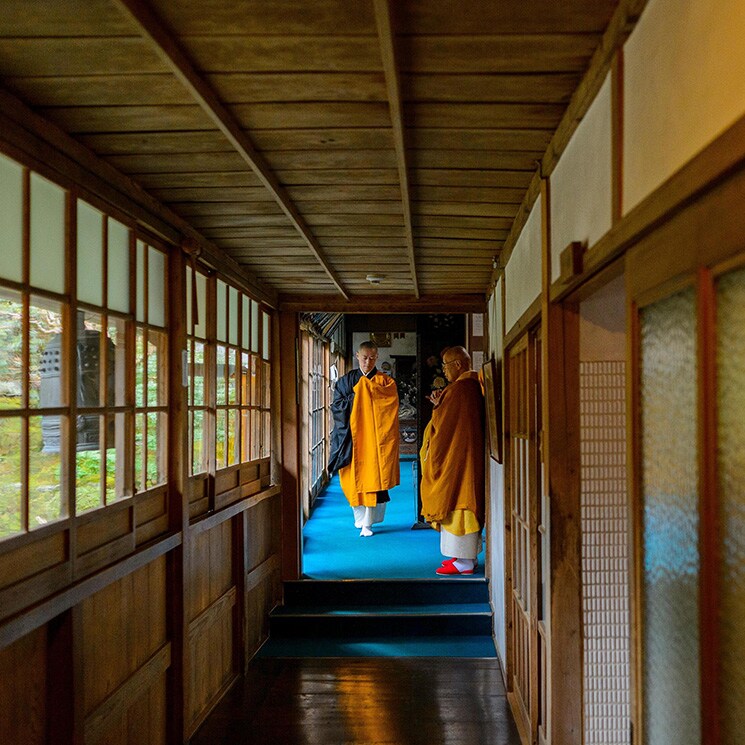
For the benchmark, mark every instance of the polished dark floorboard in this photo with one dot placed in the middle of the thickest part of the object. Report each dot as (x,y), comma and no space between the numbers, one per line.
(370,701)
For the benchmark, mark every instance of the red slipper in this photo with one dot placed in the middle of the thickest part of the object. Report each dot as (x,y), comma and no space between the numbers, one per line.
(450,561)
(452,569)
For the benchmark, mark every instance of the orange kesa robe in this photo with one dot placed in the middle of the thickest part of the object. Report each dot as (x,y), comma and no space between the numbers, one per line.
(374,427)
(452,453)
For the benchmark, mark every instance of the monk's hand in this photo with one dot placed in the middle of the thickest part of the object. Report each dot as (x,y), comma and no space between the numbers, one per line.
(435,396)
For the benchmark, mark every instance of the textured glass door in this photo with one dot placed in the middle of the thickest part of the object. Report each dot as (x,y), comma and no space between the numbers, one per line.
(670,522)
(730,357)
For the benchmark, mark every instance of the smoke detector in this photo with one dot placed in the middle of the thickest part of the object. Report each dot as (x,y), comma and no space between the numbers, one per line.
(374,279)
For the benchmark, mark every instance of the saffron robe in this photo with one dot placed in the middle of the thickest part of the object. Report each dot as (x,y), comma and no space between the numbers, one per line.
(452,456)
(373,423)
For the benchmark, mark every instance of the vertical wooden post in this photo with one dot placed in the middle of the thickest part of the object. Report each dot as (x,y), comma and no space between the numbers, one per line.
(561,454)
(288,362)
(65,714)
(177,507)
(617,137)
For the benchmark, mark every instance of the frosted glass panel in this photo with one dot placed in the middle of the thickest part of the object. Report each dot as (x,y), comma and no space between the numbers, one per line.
(11,214)
(90,254)
(118,290)
(245,320)
(189,290)
(670,522)
(200,329)
(222,300)
(265,341)
(156,288)
(233,331)
(140,281)
(47,235)
(254,326)
(731,403)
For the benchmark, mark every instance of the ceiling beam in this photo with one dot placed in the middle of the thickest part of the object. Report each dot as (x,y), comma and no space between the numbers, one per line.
(390,69)
(383,304)
(152,29)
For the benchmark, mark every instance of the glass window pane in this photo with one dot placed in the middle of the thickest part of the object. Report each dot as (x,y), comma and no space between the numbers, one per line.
(245,385)
(220,375)
(198,464)
(245,435)
(266,435)
(90,382)
(222,301)
(266,385)
(11,492)
(670,521)
(140,304)
(255,377)
(11,221)
(200,330)
(265,340)
(46,358)
(90,254)
(731,460)
(118,281)
(156,288)
(117,361)
(156,369)
(46,497)
(140,452)
(88,465)
(198,374)
(156,448)
(232,375)
(47,235)
(117,458)
(245,321)
(234,319)
(140,367)
(234,439)
(220,438)
(11,350)
(255,434)
(254,326)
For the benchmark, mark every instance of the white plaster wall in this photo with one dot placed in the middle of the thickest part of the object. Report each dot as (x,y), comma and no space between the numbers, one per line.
(522,276)
(581,182)
(684,70)
(495,537)
(495,512)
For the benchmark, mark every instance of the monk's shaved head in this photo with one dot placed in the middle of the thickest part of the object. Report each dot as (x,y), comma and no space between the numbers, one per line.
(455,362)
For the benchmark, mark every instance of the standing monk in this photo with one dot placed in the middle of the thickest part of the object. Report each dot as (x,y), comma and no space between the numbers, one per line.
(452,458)
(364,443)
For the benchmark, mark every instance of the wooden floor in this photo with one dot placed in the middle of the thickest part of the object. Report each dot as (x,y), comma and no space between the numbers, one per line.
(356,701)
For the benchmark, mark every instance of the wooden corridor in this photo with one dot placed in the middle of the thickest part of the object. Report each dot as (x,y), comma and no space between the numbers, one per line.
(364,701)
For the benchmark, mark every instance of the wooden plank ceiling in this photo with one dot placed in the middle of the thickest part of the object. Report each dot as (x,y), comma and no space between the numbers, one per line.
(319,141)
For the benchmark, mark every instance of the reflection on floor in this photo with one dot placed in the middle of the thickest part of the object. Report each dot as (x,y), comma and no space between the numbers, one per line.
(333,548)
(364,701)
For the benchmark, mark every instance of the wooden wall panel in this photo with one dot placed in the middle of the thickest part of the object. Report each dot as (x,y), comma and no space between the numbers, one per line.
(23,674)
(123,633)
(262,532)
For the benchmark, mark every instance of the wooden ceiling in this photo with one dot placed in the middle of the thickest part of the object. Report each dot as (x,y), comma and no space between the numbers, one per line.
(319,141)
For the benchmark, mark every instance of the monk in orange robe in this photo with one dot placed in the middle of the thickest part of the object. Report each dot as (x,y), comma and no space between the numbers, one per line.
(452,456)
(364,443)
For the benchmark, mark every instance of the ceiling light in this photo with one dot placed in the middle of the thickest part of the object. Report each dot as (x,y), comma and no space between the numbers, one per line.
(374,279)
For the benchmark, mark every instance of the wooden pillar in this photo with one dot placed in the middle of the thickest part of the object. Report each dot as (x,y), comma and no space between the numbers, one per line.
(289,400)
(177,508)
(560,324)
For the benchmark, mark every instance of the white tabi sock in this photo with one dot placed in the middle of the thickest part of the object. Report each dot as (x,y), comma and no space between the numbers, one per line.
(365,532)
(464,565)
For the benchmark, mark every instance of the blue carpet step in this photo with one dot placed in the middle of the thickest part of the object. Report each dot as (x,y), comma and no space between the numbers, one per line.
(380,646)
(356,592)
(443,617)
(392,620)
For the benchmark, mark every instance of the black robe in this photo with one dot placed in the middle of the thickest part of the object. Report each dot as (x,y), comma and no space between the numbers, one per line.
(340,453)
